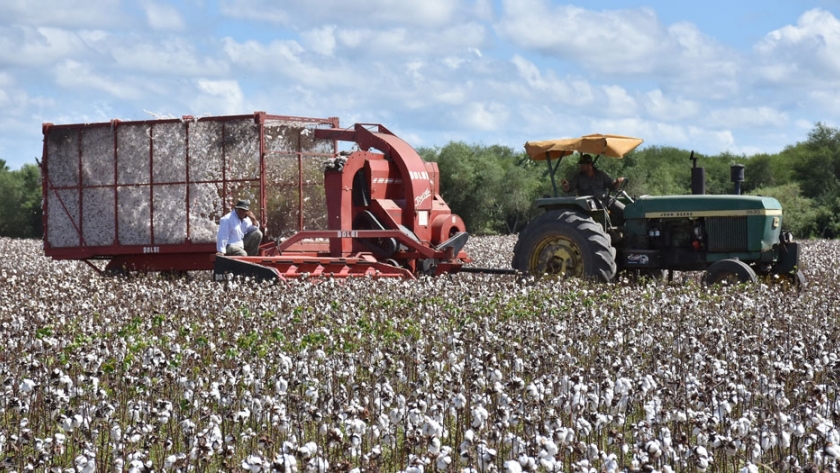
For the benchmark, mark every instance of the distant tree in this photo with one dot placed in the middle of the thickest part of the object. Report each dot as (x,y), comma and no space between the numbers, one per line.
(758,172)
(493,188)
(655,170)
(20,214)
(800,213)
(813,169)
(468,181)
(828,223)
(521,184)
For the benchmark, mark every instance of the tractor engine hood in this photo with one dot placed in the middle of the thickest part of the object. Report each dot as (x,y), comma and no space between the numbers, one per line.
(696,206)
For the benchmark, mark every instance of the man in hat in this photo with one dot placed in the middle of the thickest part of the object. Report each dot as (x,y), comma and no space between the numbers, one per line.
(592,181)
(239,232)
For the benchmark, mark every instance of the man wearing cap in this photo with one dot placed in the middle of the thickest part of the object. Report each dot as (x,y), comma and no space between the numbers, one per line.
(590,180)
(239,232)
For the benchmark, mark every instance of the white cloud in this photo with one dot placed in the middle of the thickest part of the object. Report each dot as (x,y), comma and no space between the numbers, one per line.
(321,40)
(483,10)
(6,79)
(284,57)
(685,137)
(223,96)
(73,75)
(263,11)
(746,117)
(63,13)
(426,13)
(619,101)
(529,71)
(550,89)
(383,43)
(802,53)
(170,57)
(665,108)
(825,101)
(484,116)
(34,47)
(287,59)
(625,43)
(722,140)
(163,16)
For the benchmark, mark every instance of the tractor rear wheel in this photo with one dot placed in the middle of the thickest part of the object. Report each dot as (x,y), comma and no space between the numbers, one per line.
(729,271)
(567,244)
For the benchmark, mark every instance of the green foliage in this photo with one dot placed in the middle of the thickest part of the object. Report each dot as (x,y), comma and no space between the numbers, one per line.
(800,213)
(492,188)
(20,214)
(653,171)
(759,173)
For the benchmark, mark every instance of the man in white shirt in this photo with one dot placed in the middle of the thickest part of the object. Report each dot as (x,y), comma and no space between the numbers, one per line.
(239,232)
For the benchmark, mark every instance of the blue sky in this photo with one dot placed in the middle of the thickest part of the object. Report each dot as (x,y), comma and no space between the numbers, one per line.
(713,76)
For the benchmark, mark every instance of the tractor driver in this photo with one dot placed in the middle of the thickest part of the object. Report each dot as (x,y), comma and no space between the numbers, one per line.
(239,232)
(592,181)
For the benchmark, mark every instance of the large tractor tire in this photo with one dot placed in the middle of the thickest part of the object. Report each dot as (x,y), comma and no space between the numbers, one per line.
(729,271)
(567,244)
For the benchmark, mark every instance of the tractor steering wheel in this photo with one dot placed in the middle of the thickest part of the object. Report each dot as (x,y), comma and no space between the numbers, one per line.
(618,193)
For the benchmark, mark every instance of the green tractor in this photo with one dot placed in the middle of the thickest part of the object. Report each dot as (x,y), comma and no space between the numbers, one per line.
(732,238)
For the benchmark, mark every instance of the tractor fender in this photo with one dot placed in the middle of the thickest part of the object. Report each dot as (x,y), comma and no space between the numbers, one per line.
(583,204)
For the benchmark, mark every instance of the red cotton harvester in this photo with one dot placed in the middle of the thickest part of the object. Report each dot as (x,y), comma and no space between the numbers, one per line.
(148,196)
(385,218)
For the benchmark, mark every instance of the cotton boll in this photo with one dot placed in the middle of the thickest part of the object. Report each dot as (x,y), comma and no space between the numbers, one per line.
(653,448)
(831,451)
(479,417)
(434,446)
(459,401)
(431,428)
(27,386)
(749,468)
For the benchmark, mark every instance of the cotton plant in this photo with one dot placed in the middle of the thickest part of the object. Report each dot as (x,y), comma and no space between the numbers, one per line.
(469,373)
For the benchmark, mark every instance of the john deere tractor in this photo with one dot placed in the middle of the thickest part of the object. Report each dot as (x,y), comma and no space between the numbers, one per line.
(732,238)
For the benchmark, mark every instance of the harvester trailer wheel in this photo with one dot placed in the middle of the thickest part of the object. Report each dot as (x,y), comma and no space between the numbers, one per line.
(729,271)
(567,244)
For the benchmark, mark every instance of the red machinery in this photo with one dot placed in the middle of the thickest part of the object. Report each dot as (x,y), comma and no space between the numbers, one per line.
(385,219)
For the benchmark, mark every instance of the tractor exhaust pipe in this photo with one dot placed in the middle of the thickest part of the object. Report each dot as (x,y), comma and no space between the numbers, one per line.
(698,177)
(736,172)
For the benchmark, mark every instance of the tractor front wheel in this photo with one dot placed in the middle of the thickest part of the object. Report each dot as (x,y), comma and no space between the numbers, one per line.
(729,271)
(567,244)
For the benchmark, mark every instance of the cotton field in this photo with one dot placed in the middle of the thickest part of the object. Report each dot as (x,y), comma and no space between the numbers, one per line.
(468,373)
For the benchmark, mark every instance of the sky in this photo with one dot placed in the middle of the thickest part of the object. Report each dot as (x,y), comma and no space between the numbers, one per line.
(739,77)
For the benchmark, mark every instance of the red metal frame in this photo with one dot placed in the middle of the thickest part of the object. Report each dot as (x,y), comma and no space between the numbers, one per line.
(394,190)
(187,255)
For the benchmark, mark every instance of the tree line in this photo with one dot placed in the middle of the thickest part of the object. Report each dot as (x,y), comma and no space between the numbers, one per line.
(493,188)
(20,214)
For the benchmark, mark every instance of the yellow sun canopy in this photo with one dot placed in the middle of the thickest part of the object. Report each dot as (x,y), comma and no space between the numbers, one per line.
(614,146)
